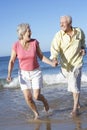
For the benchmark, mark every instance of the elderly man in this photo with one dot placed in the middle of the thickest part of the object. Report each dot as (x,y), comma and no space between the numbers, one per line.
(69,43)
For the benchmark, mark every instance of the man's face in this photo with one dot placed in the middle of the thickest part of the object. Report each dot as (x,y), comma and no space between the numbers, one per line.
(64,24)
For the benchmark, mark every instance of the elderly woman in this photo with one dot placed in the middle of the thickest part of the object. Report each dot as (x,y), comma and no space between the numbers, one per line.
(26,50)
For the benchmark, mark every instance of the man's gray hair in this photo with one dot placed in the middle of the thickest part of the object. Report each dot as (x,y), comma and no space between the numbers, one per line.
(69,18)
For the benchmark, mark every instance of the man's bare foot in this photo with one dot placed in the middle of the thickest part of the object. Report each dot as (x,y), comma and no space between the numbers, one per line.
(74,113)
(79,106)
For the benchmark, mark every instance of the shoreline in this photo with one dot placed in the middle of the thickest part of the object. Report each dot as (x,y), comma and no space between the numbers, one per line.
(15,114)
(47,124)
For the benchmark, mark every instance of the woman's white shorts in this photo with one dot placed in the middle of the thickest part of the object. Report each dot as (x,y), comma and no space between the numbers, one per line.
(30,79)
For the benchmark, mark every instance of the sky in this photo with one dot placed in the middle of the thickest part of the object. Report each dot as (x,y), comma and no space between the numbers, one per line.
(43,17)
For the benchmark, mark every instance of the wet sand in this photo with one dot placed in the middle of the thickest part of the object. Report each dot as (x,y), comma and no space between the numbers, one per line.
(78,123)
(15,114)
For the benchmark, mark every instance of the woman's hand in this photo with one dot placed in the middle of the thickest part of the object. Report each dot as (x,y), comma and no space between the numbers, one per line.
(9,79)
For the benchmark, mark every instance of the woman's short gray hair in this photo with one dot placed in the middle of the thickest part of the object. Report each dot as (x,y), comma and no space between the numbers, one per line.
(21,29)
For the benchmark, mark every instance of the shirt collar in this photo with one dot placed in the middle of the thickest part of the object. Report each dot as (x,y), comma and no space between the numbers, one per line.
(74,30)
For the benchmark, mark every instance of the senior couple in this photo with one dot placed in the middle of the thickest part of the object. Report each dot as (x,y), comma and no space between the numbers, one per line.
(68,43)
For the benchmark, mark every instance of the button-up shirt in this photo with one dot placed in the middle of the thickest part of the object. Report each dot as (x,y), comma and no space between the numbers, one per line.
(68,48)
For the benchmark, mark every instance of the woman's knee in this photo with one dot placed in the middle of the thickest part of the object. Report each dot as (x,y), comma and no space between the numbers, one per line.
(29,99)
(36,96)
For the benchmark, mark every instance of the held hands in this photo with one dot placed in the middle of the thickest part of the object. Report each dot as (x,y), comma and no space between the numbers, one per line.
(54,63)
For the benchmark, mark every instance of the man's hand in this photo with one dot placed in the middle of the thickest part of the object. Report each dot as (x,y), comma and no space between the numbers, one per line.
(82,52)
(55,61)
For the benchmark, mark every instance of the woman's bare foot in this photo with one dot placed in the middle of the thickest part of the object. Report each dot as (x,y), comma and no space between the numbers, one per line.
(46,106)
(36,116)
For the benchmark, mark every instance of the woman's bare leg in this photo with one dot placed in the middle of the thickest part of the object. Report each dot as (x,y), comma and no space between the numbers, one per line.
(30,102)
(40,97)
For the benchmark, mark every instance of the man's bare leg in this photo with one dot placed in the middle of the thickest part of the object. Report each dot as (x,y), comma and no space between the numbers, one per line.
(76,104)
(79,106)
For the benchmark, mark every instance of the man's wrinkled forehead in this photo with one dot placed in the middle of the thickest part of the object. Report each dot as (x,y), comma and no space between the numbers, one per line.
(67,19)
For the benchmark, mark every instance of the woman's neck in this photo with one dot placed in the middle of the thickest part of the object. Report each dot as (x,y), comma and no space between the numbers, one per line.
(25,44)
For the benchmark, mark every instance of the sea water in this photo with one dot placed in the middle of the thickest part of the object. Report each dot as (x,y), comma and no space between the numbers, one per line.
(51,75)
(13,108)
